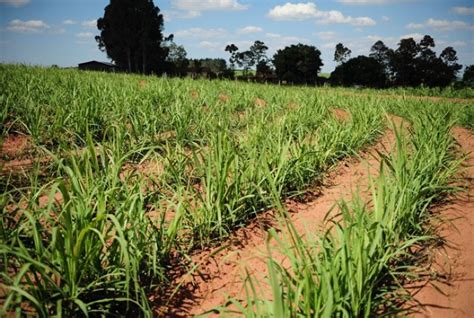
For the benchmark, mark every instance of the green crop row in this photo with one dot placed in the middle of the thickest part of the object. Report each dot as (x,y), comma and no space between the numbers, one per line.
(144,170)
(97,234)
(357,266)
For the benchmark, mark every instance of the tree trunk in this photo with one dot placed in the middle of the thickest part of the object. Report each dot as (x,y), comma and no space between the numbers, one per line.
(136,63)
(144,57)
(129,58)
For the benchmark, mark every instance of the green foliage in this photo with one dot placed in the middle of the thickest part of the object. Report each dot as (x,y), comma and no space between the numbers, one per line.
(361,70)
(131,34)
(342,53)
(356,266)
(468,76)
(145,169)
(299,64)
(83,243)
(98,235)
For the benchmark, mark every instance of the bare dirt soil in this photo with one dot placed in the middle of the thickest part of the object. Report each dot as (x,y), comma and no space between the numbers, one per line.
(341,114)
(14,146)
(450,292)
(221,272)
(260,102)
(14,153)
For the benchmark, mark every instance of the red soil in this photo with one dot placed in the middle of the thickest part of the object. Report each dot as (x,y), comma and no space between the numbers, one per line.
(14,146)
(194,94)
(293,106)
(14,153)
(453,264)
(260,102)
(224,98)
(341,114)
(221,273)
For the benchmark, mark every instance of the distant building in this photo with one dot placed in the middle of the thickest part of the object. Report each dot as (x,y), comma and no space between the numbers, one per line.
(98,66)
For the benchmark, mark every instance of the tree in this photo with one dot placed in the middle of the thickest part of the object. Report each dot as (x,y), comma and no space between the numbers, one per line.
(424,47)
(263,69)
(382,54)
(259,52)
(415,64)
(468,76)
(341,53)
(255,55)
(449,57)
(178,63)
(232,49)
(217,65)
(212,67)
(447,69)
(362,70)
(403,63)
(435,71)
(298,63)
(195,67)
(131,35)
(245,60)
(425,62)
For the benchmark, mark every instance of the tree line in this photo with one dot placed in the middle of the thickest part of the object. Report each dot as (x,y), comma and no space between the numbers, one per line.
(131,33)
(411,64)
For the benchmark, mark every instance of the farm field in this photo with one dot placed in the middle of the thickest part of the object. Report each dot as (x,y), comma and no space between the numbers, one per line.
(142,196)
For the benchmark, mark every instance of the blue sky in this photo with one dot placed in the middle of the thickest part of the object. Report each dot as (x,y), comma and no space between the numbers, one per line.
(62,32)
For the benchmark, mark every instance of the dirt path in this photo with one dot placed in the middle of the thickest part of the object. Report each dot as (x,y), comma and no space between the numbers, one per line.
(455,261)
(221,276)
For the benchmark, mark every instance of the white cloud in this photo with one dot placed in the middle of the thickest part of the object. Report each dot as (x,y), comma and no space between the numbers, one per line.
(201,33)
(85,35)
(454,44)
(30,26)
(390,41)
(385,18)
(275,41)
(463,10)
(195,7)
(249,30)
(337,17)
(326,35)
(441,25)
(215,46)
(15,3)
(374,38)
(69,22)
(89,23)
(329,45)
(458,43)
(369,2)
(243,44)
(294,11)
(446,25)
(278,41)
(209,45)
(169,15)
(58,31)
(304,11)
(414,26)
(415,36)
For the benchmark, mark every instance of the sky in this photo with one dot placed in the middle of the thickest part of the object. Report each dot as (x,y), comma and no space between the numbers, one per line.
(61,32)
